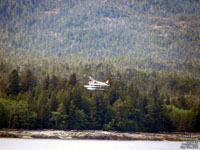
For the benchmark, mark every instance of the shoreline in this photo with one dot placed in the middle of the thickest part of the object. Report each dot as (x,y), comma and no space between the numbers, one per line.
(93,134)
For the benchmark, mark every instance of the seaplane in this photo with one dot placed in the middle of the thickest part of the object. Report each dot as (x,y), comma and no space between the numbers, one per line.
(95,85)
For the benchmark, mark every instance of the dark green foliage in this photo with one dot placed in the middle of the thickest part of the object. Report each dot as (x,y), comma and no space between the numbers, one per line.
(46,83)
(3,116)
(58,118)
(17,115)
(43,117)
(196,109)
(125,115)
(28,81)
(13,84)
(97,111)
(80,120)
(72,79)
(53,102)
(125,106)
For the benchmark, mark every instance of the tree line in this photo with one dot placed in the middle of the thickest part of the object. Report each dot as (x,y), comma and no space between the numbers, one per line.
(54,102)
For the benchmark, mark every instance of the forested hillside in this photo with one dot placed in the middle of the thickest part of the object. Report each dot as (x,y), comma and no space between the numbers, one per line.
(155,34)
(149,49)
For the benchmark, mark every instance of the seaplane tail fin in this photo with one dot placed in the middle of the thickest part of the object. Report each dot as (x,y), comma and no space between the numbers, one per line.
(108,82)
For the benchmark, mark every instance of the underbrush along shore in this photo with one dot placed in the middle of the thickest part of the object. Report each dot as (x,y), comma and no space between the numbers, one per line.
(96,134)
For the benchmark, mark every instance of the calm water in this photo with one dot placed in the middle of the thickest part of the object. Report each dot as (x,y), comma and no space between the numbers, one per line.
(52,144)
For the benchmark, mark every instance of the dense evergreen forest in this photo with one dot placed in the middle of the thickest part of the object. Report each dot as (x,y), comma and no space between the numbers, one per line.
(149,49)
(146,103)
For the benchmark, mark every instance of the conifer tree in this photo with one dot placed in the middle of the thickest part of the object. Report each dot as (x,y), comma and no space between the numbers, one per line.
(13,83)
(28,81)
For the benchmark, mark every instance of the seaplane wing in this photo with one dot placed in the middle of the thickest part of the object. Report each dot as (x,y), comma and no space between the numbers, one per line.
(92,79)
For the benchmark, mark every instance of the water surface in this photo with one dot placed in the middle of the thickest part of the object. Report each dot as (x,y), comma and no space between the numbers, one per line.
(57,144)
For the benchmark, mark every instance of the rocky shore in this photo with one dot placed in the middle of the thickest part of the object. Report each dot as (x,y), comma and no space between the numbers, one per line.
(94,134)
